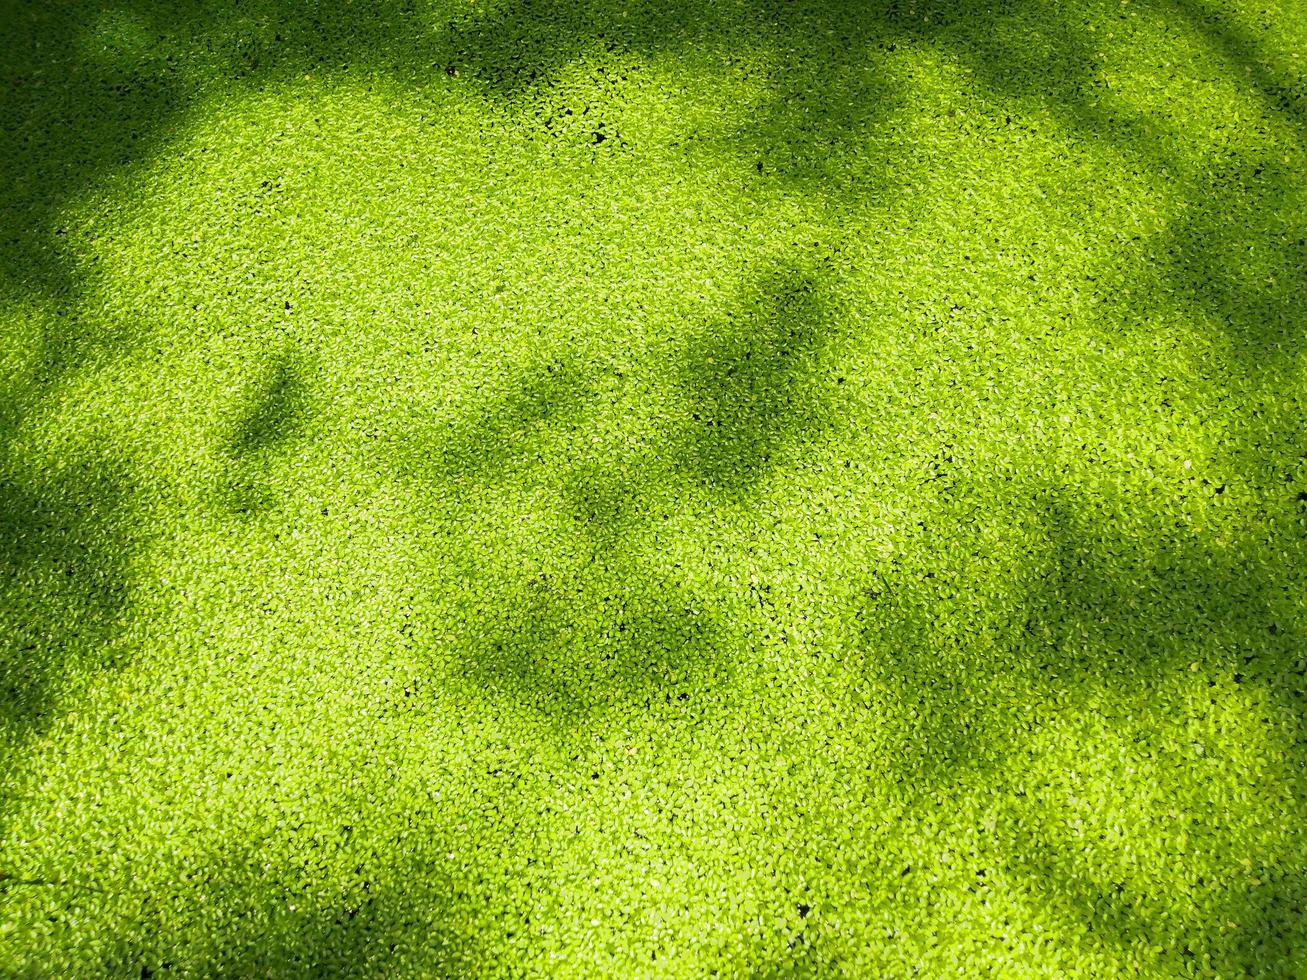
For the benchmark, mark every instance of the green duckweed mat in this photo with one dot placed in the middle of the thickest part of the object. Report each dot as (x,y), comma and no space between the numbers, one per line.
(507,488)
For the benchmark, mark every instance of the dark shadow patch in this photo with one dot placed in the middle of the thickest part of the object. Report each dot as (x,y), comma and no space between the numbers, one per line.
(574,650)
(85,98)
(820,131)
(1239,254)
(801,960)
(596,629)
(244,916)
(1116,916)
(1244,52)
(750,381)
(1265,921)
(76,106)
(1116,611)
(931,691)
(275,412)
(1254,924)
(804,954)
(364,933)
(515,49)
(607,502)
(825,96)
(1104,612)
(835,88)
(500,433)
(64,581)
(1098,611)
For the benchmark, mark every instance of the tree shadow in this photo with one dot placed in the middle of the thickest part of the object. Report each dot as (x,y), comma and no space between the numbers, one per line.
(274,413)
(362,934)
(64,580)
(605,503)
(247,917)
(751,381)
(87,101)
(515,49)
(1266,922)
(804,956)
(1239,255)
(1249,930)
(1236,45)
(275,409)
(576,648)
(823,98)
(504,432)
(82,100)
(587,624)
(1102,615)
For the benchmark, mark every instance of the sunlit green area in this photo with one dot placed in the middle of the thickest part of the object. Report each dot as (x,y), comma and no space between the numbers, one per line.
(763,488)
